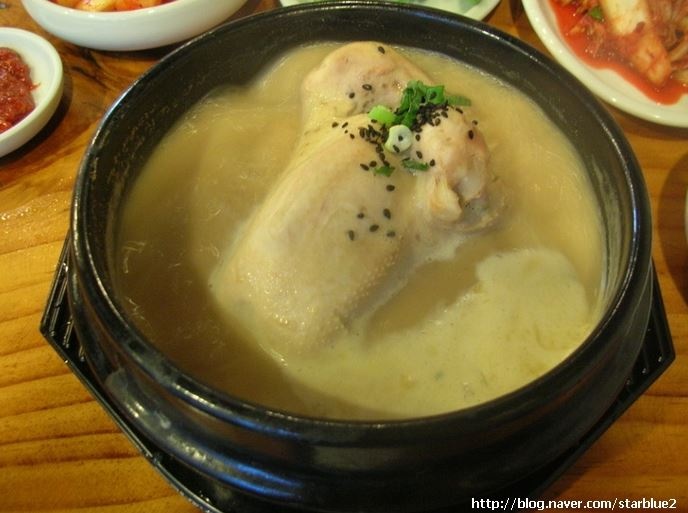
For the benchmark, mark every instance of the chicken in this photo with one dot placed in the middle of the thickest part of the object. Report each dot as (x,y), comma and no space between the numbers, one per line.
(334,239)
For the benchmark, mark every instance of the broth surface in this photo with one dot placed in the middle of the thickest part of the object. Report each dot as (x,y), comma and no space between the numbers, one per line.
(513,302)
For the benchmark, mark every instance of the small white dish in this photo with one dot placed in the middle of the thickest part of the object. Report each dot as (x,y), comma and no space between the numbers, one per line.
(138,29)
(46,74)
(605,83)
(477,12)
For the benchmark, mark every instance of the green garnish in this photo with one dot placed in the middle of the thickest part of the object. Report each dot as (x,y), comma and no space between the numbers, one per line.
(458,101)
(419,105)
(382,115)
(383,170)
(416,95)
(414,165)
(399,139)
(596,13)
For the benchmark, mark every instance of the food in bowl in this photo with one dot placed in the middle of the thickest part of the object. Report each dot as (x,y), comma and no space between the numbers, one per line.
(313,266)
(646,42)
(16,99)
(226,447)
(110,5)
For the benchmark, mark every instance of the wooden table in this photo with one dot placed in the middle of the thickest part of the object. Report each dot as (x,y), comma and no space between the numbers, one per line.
(59,450)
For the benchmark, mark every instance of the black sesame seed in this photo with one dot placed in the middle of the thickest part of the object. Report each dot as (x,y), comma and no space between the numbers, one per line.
(391,233)
(367,87)
(351,95)
(360,215)
(419,154)
(373,163)
(380,49)
(352,136)
(374,227)
(345,124)
(475,122)
(335,124)
(387,213)
(351,234)
(395,148)
(471,134)
(390,187)
(444,114)
(432,162)
(417,137)
(364,167)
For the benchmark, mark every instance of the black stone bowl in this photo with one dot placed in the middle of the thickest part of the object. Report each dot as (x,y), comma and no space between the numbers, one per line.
(313,464)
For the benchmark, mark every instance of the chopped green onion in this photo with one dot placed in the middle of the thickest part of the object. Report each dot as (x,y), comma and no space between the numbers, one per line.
(415,95)
(417,106)
(382,115)
(414,165)
(434,94)
(458,101)
(383,170)
(399,139)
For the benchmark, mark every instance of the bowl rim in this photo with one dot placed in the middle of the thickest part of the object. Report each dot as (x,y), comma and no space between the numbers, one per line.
(300,427)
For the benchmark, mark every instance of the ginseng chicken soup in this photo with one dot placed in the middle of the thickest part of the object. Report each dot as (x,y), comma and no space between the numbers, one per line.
(363,232)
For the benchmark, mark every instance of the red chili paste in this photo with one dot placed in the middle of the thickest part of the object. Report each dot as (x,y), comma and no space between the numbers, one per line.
(15,89)
(668,94)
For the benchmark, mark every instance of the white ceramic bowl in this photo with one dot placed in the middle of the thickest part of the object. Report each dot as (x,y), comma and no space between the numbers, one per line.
(605,83)
(46,73)
(131,30)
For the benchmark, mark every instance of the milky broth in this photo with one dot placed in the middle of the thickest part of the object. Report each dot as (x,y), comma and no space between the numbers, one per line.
(513,303)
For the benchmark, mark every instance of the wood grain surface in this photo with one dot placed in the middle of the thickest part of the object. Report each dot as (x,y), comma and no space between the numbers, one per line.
(59,450)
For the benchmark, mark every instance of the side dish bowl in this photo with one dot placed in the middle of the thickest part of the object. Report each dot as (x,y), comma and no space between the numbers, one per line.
(420,464)
(139,29)
(46,74)
(606,83)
